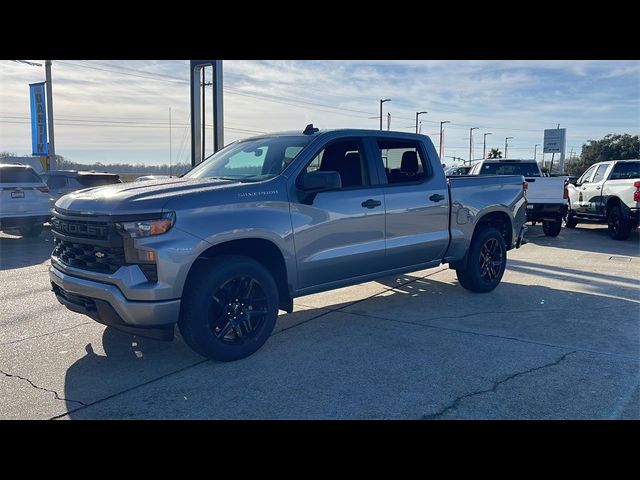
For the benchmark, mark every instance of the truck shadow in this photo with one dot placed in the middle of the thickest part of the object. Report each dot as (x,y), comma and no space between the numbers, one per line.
(20,252)
(590,238)
(129,362)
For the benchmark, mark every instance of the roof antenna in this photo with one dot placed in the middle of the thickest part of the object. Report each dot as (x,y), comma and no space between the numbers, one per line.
(309,130)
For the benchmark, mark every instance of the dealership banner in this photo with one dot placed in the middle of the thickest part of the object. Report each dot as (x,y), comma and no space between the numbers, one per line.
(39,144)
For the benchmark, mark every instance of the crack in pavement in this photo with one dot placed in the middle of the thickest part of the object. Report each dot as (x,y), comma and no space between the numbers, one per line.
(493,335)
(494,387)
(85,405)
(57,397)
(45,334)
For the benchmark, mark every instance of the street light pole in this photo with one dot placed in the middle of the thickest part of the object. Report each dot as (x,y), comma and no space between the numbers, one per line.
(506,145)
(417,115)
(381,102)
(471,143)
(484,145)
(441,142)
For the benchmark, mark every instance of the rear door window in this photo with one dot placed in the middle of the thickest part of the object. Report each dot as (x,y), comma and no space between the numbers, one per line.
(402,161)
(625,171)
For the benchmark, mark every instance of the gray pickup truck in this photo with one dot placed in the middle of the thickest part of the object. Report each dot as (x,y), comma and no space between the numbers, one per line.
(220,250)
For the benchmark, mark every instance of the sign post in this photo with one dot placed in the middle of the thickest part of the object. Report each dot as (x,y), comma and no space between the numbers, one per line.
(39,143)
(555,141)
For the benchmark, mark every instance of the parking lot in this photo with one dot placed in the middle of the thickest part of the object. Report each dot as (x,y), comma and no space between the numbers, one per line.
(558,339)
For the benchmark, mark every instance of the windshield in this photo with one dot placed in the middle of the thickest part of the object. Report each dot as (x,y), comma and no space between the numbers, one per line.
(528,169)
(252,160)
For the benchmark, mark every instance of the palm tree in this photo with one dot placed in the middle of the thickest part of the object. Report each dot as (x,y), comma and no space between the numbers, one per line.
(495,153)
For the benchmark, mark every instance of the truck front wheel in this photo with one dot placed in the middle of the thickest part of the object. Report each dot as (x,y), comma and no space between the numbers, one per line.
(551,229)
(229,309)
(485,263)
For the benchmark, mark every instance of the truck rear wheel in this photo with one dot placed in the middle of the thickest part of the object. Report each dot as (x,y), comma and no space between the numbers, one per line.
(619,228)
(485,262)
(551,229)
(229,309)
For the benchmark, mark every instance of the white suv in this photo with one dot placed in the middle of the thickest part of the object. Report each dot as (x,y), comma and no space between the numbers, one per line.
(24,200)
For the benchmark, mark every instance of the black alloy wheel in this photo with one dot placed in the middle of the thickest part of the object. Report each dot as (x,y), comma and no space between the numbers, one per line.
(238,310)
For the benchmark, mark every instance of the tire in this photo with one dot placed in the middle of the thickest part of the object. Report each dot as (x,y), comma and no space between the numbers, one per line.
(219,301)
(32,230)
(570,221)
(619,228)
(472,275)
(551,229)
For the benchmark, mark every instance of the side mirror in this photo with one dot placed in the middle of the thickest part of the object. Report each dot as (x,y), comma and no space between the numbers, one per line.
(320,181)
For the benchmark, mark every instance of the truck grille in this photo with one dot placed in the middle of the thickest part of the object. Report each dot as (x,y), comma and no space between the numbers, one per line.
(97,230)
(89,257)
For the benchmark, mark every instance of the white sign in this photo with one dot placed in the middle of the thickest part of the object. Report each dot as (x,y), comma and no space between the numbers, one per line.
(554,140)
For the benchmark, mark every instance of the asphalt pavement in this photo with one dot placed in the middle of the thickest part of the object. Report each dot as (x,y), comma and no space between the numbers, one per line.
(558,339)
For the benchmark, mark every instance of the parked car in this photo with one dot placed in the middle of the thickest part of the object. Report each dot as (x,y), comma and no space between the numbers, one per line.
(607,192)
(61,182)
(547,197)
(457,171)
(269,218)
(24,200)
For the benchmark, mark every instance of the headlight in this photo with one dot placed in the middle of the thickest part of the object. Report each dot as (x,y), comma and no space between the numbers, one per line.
(148,228)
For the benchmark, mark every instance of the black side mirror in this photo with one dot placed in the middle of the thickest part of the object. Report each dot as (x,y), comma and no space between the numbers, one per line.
(320,181)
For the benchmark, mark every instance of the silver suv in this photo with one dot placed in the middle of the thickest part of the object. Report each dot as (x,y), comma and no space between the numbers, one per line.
(24,200)
(61,182)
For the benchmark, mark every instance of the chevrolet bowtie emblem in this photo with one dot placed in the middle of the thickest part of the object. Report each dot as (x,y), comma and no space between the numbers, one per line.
(99,254)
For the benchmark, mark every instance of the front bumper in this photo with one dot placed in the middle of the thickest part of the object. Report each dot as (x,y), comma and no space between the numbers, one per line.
(106,304)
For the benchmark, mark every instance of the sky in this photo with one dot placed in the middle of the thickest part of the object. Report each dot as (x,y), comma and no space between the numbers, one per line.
(115,111)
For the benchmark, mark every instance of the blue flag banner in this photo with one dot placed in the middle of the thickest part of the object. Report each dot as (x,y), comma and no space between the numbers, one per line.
(39,143)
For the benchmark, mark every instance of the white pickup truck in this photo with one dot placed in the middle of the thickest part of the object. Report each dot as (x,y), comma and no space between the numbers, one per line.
(608,192)
(546,196)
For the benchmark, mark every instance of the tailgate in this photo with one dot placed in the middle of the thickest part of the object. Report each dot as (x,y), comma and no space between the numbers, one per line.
(545,190)
(22,199)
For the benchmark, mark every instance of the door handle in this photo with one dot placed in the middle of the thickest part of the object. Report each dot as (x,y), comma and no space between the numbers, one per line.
(436,197)
(371,203)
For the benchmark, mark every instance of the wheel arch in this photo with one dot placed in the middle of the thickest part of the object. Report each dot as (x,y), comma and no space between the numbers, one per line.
(262,250)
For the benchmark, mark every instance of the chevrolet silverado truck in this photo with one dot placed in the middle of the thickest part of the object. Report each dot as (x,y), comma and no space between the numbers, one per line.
(546,196)
(266,219)
(608,192)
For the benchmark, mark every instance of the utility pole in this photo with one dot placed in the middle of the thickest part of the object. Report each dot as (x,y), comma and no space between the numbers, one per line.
(471,143)
(170,142)
(535,152)
(381,102)
(441,139)
(52,163)
(417,115)
(484,145)
(506,146)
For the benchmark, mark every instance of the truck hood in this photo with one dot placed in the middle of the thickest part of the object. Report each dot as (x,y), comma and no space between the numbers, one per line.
(136,197)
